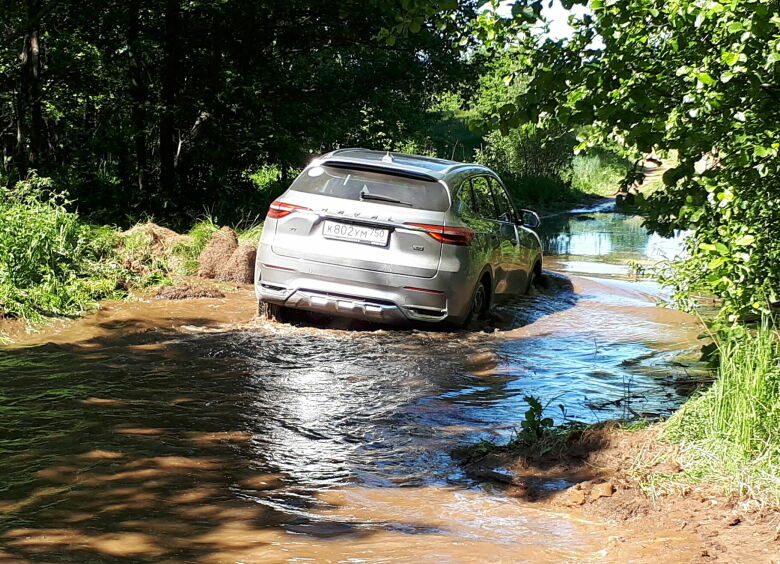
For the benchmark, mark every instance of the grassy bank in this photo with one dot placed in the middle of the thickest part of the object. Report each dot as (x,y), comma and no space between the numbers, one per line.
(53,263)
(730,433)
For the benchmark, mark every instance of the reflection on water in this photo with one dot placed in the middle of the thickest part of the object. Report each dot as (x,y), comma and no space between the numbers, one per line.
(602,243)
(272,443)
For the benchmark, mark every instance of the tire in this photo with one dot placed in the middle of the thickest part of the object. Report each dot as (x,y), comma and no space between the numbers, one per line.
(480,302)
(271,312)
(535,278)
(531,281)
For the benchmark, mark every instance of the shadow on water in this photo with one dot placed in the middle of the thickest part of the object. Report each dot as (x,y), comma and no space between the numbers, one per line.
(197,447)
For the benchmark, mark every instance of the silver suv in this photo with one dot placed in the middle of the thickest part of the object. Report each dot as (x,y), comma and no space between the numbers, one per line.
(391,238)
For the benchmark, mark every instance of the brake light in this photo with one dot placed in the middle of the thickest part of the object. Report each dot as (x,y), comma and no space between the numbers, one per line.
(449,235)
(280,209)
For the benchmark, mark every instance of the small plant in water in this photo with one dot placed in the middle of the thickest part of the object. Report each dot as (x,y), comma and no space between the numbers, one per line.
(535,425)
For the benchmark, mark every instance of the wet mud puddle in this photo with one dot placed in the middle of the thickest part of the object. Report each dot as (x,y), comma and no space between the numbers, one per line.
(130,441)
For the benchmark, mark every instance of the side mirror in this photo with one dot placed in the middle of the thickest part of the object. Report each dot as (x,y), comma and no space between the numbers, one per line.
(529,219)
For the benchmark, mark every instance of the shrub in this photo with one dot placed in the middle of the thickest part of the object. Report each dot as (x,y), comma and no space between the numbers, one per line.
(527,151)
(51,262)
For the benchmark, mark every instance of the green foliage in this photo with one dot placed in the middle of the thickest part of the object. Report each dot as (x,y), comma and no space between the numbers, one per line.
(538,165)
(51,262)
(540,171)
(528,151)
(731,431)
(188,251)
(598,172)
(250,235)
(534,425)
(698,78)
(160,108)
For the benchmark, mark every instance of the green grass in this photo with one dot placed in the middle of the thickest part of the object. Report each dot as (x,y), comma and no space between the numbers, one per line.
(730,433)
(55,264)
(51,262)
(250,235)
(599,173)
(188,251)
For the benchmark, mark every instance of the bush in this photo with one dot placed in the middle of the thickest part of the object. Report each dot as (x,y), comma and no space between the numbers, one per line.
(51,262)
(528,151)
(540,167)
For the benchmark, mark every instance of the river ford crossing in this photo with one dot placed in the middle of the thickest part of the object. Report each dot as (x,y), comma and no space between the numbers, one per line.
(188,431)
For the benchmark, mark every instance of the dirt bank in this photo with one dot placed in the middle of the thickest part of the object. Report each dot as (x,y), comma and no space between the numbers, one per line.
(631,478)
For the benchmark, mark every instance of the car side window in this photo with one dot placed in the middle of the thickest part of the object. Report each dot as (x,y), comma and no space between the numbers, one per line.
(505,210)
(483,198)
(463,204)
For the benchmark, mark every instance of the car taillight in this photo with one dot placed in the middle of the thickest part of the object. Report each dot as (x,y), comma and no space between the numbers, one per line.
(281,209)
(449,235)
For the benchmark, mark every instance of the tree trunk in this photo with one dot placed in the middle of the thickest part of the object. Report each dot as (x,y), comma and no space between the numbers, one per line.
(30,136)
(138,94)
(169,81)
(20,154)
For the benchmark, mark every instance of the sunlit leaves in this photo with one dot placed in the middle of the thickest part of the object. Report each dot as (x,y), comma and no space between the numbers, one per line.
(697,77)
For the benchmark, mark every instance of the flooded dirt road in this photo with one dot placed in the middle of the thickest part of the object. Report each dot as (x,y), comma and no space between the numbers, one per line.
(187,431)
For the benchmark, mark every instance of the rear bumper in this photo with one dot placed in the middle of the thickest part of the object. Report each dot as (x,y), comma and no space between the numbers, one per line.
(360,294)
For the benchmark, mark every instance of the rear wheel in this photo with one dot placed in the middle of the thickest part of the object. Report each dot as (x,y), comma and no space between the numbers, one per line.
(271,312)
(535,278)
(480,302)
(479,305)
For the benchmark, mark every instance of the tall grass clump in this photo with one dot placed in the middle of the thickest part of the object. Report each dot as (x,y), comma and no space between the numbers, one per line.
(600,172)
(731,432)
(188,251)
(51,262)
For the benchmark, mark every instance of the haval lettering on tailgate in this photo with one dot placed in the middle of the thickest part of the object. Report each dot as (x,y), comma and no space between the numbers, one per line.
(391,238)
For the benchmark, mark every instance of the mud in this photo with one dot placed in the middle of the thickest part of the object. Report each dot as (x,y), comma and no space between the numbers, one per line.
(186,290)
(614,474)
(189,431)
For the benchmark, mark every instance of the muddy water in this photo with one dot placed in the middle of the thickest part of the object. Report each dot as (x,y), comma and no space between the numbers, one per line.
(188,432)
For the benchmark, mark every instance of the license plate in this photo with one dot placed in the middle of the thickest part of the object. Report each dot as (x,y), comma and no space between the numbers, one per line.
(355,233)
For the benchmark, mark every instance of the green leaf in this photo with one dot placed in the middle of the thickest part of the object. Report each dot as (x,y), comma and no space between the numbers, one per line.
(729,58)
(744,240)
(705,78)
(716,262)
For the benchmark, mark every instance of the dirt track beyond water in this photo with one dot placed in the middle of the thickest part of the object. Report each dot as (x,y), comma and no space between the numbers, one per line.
(189,431)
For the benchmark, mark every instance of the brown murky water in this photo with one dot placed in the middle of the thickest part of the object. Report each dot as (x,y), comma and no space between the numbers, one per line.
(189,432)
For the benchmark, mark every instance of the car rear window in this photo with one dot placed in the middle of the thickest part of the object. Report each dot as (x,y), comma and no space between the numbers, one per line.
(373,187)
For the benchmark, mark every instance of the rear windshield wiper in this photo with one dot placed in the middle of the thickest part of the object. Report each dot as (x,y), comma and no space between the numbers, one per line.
(365,195)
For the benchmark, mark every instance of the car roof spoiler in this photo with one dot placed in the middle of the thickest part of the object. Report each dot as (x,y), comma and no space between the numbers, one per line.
(380,169)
